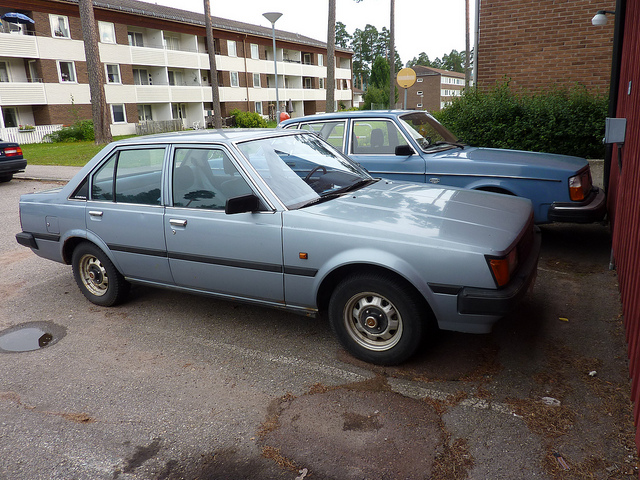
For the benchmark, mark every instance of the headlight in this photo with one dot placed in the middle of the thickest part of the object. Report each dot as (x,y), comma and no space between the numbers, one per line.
(503,267)
(580,186)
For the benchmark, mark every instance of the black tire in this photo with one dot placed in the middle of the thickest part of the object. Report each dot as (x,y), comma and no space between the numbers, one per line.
(376,319)
(6,178)
(97,278)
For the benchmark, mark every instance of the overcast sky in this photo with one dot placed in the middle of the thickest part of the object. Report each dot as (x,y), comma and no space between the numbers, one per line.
(432,26)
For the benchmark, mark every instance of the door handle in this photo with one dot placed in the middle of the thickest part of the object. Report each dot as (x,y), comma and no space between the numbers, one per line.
(95,213)
(177,223)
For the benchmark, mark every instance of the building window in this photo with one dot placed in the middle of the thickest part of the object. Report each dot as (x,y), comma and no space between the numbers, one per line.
(59,26)
(320,60)
(419,92)
(141,77)
(256,80)
(419,80)
(175,77)
(171,43)
(113,73)
(231,48)
(419,105)
(178,110)
(321,82)
(135,39)
(10,117)
(258,106)
(144,113)
(66,72)
(255,53)
(307,83)
(107,32)
(234,79)
(4,72)
(306,59)
(117,113)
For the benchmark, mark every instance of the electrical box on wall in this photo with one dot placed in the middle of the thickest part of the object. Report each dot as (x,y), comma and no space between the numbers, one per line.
(615,130)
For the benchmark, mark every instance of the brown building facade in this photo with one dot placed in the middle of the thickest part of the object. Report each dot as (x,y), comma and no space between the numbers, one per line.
(538,44)
(434,88)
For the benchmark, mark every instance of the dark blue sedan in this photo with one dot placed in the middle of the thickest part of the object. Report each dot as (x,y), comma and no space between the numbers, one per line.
(414,146)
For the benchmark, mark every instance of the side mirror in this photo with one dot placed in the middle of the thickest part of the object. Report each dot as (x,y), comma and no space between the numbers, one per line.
(404,150)
(243,204)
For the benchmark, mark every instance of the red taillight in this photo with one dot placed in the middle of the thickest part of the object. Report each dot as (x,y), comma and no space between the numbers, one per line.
(12,151)
(580,186)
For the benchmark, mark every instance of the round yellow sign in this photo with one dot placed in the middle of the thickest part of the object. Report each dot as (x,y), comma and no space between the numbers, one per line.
(406,77)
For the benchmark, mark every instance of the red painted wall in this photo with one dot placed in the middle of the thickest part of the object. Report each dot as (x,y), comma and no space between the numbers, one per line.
(624,197)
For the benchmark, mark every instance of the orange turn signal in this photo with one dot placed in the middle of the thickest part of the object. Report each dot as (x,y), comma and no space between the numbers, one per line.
(502,268)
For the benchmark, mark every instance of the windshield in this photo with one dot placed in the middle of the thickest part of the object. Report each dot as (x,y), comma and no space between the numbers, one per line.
(427,131)
(301,169)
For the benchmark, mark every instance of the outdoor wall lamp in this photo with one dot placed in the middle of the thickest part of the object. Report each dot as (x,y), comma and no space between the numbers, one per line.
(600,18)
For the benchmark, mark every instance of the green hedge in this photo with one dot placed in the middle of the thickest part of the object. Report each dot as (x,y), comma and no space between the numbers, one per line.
(79,131)
(248,119)
(569,121)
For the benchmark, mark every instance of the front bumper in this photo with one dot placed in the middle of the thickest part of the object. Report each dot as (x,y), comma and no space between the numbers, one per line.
(592,209)
(481,301)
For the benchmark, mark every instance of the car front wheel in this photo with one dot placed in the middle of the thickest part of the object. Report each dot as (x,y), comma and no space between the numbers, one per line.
(376,319)
(97,277)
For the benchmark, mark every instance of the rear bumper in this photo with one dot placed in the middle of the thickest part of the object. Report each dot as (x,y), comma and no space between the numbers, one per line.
(12,166)
(592,209)
(480,301)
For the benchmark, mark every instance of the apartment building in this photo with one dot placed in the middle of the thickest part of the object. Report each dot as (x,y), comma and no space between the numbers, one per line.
(156,66)
(433,90)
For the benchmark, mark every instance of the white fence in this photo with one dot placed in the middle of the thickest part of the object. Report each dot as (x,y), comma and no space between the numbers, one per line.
(31,136)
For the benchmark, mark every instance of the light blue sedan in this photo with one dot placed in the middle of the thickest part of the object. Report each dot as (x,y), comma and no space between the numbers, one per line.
(279,218)
(414,146)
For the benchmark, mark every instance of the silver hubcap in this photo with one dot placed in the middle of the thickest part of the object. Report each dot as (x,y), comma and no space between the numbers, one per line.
(373,321)
(93,275)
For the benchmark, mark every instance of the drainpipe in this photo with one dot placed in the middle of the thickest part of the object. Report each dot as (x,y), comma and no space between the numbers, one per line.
(616,60)
(246,80)
(475,46)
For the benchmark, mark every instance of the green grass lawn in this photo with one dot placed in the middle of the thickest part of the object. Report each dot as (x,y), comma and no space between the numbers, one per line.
(74,154)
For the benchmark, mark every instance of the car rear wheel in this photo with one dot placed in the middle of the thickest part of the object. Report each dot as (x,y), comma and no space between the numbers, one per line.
(97,277)
(376,319)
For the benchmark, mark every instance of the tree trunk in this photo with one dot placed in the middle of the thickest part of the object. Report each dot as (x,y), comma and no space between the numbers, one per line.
(213,71)
(467,72)
(392,56)
(331,58)
(99,111)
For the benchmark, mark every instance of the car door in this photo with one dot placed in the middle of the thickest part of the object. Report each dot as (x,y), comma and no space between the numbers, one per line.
(125,212)
(235,255)
(372,143)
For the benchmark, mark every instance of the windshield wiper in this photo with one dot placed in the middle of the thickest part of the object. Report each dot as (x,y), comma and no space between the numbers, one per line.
(338,193)
(455,144)
(355,186)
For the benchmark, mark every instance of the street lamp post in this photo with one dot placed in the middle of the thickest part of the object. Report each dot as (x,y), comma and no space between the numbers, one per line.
(273,18)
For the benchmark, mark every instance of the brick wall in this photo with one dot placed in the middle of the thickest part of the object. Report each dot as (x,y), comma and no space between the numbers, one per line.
(541,43)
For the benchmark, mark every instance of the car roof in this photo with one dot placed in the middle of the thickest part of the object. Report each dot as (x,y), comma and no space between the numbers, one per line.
(226,135)
(350,114)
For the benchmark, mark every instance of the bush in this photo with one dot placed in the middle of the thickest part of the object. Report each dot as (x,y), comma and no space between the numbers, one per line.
(568,121)
(79,131)
(248,119)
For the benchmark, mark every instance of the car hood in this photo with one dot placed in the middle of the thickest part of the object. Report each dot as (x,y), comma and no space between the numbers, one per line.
(401,211)
(542,165)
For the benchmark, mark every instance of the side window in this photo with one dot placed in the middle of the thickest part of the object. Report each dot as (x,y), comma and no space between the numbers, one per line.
(205,178)
(102,185)
(375,137)
(138,177)
(332,132)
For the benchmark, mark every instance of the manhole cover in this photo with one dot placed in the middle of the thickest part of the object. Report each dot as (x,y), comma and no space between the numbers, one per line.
(30,336)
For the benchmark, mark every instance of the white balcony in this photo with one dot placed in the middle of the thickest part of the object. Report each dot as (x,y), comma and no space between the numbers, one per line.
(21,46)
(22,93)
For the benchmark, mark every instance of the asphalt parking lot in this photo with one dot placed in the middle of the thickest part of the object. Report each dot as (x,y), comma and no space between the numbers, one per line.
(170,386)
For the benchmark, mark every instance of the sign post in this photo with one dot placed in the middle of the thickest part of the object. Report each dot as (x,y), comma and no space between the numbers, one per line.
(406,78)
